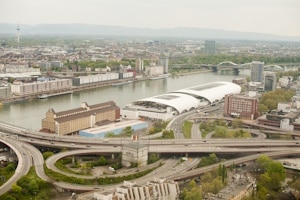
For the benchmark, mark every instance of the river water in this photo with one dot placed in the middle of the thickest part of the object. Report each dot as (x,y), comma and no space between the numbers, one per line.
(29,113)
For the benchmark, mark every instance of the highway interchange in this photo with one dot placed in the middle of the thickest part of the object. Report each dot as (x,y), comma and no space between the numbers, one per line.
(24,142)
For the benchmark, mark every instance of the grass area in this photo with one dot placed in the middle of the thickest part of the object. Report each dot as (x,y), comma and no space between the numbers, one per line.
(30,187)
(100,181)
(62,166)
(187,129)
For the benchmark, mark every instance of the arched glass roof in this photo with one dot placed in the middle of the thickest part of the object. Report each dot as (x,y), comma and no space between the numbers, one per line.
(189,98)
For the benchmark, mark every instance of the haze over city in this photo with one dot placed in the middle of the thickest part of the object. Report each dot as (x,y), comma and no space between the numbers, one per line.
(279,17)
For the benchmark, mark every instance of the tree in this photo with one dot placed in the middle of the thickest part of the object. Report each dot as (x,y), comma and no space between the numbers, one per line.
(10,167)
(33,186)
(269,183)
(273,177)
(153,157)
(206,177)
(263,162)
(192,192)
(168,134)
(263,108)
(236,123)
(47,154)
(102,161)
(220,132)
(16,189)
(211,159)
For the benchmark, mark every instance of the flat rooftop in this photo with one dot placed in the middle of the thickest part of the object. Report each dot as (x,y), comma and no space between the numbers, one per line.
(113,126)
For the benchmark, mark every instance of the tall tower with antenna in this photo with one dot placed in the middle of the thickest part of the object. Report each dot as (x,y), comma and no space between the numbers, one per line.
(18,34)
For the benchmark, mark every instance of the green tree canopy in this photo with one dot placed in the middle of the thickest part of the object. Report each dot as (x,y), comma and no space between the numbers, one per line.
(272,98)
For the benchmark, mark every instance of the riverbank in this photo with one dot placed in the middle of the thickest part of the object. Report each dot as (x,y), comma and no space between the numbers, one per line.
(92,86)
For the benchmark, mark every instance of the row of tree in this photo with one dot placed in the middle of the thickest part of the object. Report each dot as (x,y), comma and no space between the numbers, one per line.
(270,100)
(238,59)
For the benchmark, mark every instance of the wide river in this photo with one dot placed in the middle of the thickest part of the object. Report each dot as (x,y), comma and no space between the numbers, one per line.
(29,113)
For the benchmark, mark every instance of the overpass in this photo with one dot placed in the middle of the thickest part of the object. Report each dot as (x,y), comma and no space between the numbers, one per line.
(85,146)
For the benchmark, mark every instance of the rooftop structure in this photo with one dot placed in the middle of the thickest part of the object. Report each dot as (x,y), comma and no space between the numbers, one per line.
(115,128)
(134,153)
(166,106)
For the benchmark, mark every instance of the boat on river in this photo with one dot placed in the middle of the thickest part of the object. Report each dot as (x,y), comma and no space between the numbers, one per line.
(44,96)
(159,77)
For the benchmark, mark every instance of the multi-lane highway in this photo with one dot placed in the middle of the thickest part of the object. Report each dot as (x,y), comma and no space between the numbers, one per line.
(24,162)
(22,141)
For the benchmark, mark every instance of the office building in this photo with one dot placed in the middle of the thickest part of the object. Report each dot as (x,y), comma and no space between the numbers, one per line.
(210,46)
(270,81)
(241,107)
(257,71)
(164,61)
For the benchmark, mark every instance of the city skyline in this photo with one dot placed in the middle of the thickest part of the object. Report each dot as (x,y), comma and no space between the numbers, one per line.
(279,17)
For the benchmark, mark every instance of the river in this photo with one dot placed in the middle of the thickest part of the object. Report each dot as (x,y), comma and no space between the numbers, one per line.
(29,113)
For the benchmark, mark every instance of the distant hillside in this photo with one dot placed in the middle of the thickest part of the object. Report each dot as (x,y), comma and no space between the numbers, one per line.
(103,30)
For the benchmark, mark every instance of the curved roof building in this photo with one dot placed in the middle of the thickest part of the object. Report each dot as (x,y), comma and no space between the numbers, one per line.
(180,101)
(212,92)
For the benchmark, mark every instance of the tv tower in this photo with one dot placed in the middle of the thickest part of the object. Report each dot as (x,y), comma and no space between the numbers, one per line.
(18,34)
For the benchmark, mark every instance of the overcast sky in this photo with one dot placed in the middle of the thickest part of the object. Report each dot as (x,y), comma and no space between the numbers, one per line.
(281,17)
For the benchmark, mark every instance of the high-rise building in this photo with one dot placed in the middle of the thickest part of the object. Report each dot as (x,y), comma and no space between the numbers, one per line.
(257,71)
(139,65)
(270,81)
(241,106)
(164,61)
(210,46)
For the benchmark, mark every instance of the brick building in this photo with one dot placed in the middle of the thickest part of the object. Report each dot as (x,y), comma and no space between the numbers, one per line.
(71,121)
(240,106)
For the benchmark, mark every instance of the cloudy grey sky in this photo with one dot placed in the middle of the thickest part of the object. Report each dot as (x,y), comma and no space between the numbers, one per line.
(281,17)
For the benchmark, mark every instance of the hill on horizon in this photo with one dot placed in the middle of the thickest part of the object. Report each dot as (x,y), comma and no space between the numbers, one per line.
(106,30)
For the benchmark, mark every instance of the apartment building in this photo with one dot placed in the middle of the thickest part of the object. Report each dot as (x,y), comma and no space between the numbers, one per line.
(156,189)
(86,116)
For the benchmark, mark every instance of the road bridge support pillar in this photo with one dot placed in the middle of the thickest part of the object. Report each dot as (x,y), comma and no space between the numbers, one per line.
(236,71)
(73,160)
(214,68)
(186,155)
(113,156)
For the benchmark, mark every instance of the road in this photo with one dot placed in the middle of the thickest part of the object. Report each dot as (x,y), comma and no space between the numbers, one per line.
(21,141)
(24,162)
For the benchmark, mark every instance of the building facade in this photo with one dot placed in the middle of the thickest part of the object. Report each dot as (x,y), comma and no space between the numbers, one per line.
(257,71)
(240,106)
(36,87)
(270,81)
(210,46)
(134,153)
(71,121)
(164,61)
